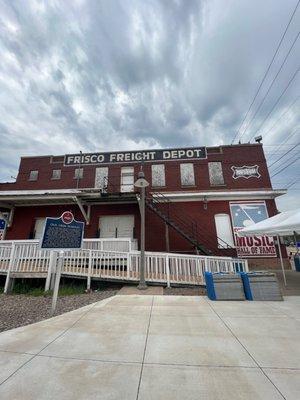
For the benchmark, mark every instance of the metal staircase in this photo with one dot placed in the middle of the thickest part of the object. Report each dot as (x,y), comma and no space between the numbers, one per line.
(184,224)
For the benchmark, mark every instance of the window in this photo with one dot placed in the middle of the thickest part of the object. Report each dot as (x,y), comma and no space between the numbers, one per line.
(127,179)
(187,174)
(101,178)
(224,231)
(33,176)
(215,173)
(158,175)
(56,174)
(78,173)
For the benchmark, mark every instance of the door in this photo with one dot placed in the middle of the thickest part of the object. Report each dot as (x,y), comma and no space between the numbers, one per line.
(224,231)
(127,179)
(39,227)
(116,226)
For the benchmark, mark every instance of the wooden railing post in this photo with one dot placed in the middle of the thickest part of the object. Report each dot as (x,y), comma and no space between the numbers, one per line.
(51,269)
(89,270)
(8,283)
(206,264)
(128,265)
(168,270)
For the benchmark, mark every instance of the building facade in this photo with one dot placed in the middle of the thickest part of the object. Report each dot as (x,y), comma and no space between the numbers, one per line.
(197,198)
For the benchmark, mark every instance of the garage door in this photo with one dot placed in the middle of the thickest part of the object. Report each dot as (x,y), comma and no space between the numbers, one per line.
(115,226)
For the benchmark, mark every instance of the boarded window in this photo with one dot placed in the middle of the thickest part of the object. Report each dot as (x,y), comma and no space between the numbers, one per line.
(101,178)
(78,173)
(33,176)
(224,231)
(158,175)
(56,174)
(215,173)
(187,174)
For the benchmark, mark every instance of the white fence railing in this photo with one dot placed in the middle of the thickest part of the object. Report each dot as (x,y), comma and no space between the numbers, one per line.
(27,257)
(107,244)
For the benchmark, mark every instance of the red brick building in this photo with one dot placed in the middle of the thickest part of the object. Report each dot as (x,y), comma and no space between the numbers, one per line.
(197,198)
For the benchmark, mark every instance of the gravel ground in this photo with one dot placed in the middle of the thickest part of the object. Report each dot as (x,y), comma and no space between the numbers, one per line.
(19,309)
(185,291)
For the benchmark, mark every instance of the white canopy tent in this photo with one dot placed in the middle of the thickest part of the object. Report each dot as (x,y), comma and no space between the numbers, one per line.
(283,224)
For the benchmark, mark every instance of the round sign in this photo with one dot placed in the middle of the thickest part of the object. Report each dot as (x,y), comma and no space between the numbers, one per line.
(67,217)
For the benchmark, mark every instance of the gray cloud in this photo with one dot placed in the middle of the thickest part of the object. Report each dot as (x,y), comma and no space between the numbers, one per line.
(103,75)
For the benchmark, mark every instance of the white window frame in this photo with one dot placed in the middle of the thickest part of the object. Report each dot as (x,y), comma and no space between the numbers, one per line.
(226,234)
(187,174)
(127,172)
(101,178)
(56,178)
(33,175)
(158,175)
(211,173)
(78,173)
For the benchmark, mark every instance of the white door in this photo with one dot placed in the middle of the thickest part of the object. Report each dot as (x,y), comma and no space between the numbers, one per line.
(39,228)
(116,226)
(224,231)
(127,179)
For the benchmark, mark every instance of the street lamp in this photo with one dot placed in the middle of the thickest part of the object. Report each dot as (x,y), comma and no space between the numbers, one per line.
(142,183)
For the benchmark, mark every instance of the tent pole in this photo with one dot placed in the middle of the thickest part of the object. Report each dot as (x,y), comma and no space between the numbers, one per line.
(281,260)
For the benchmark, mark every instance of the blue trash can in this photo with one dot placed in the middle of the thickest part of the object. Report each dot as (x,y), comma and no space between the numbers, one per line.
(297,262)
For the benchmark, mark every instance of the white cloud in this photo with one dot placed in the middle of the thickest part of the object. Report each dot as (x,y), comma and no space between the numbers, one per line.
(105,75)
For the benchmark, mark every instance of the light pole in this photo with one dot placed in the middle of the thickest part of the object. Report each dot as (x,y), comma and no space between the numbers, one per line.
(142,183)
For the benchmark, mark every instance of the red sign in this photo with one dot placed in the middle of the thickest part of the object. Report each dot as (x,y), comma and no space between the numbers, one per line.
(67,217)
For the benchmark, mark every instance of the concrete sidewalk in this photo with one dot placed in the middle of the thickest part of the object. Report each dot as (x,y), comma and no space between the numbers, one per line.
(157,347)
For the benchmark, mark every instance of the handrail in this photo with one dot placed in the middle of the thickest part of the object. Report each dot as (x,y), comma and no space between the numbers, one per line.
(166,268)
(160,198)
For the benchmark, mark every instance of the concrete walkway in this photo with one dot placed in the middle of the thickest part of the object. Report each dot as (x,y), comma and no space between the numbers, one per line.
(157,347)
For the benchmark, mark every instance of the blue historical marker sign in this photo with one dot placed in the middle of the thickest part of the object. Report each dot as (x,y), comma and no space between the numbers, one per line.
(62,233)
(2,228)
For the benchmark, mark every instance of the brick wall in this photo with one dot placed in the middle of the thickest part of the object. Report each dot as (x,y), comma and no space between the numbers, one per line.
(238,155)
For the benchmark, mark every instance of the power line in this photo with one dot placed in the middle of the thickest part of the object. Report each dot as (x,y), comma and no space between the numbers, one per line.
(287,110)
(271,85)
(283,143)
(272,176)
(283,163)
(292,184)
(267,71)
(287,152)
(277,101)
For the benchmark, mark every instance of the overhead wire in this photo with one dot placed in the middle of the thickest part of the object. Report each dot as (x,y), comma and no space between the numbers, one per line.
(284,168)
(268,69)
(293,133)
(277,101)
(286,153)
(271,85)
(282,115)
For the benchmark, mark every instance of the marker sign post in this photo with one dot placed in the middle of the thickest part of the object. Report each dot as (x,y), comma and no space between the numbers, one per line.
(61,234)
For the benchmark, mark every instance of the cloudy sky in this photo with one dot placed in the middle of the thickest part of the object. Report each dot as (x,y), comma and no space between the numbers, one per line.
(97,75)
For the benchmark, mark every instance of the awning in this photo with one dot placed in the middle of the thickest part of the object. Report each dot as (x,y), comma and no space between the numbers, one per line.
(283,224)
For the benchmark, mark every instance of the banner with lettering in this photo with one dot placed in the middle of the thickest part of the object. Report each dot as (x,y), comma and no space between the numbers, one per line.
(245,214)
